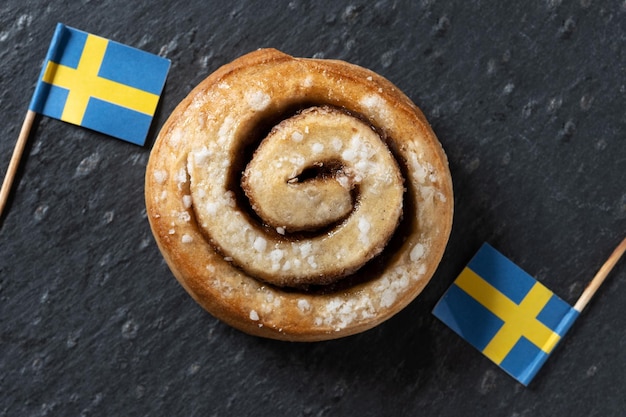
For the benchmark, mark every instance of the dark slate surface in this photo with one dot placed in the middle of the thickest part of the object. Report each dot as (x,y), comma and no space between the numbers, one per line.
(528,99)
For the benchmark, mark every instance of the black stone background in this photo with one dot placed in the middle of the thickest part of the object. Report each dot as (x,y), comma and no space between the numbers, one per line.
(527,98)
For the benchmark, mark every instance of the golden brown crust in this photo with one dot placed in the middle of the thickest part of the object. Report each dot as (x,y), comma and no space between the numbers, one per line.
(193,183)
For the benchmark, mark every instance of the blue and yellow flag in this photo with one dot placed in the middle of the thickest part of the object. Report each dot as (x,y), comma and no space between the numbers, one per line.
(505,313)
(100,84)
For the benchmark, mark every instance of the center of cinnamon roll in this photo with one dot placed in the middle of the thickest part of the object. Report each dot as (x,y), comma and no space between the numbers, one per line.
(296,180)
(326,173)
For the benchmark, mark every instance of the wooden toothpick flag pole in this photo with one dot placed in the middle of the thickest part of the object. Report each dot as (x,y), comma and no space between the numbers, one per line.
(600,276)
(15,159)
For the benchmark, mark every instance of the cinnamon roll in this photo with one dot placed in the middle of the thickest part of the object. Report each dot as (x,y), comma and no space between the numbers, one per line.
(299,199)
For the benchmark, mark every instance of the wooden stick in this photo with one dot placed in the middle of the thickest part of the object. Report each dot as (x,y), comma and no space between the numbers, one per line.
(600,277)
(15,159)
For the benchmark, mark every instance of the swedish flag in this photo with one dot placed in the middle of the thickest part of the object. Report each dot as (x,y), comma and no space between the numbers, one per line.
(100,84)
(505,313)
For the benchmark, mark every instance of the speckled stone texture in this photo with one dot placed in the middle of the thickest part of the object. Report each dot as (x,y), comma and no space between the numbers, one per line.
(528,100)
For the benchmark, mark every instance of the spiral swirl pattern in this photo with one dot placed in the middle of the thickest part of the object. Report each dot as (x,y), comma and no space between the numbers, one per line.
(299,199)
